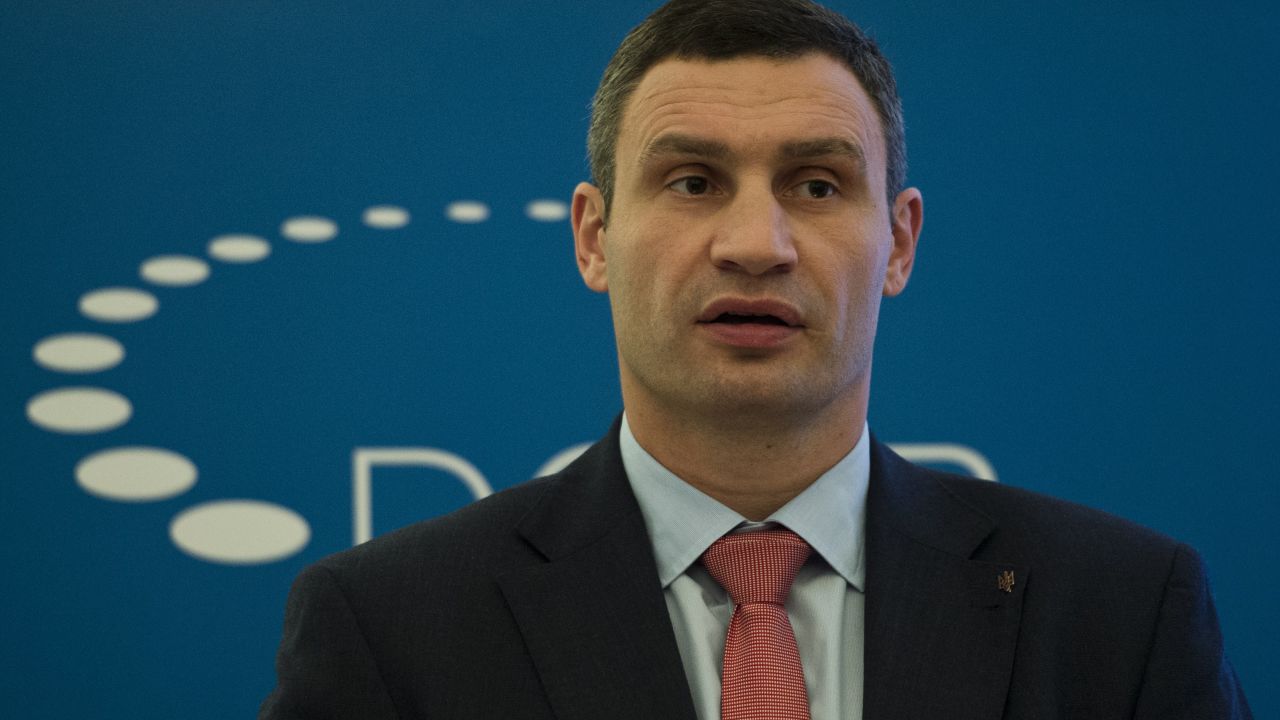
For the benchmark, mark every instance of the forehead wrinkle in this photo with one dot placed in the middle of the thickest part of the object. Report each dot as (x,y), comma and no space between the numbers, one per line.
(690,93)
(850,127)
(751,106)
(680,97)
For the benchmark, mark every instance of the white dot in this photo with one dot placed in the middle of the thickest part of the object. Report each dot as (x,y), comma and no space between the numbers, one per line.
(309,229)
(386,217)
(78,352)
(239,532)
(467,211)
(546,210)
(135,474)
(175,270)
(79,410)
(239,248)
(118,304)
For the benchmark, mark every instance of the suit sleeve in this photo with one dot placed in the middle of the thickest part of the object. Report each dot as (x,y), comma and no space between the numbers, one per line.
(325,669)
(1188,675)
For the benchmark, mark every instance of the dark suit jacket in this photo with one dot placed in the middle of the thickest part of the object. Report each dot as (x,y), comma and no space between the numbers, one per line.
(542,601)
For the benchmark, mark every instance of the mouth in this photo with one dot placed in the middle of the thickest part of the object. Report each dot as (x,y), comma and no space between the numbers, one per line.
(741,311)
(754,325)
(741,319)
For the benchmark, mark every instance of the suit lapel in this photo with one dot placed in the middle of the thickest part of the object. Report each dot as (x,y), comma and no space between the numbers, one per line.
(941,628)
(593,616)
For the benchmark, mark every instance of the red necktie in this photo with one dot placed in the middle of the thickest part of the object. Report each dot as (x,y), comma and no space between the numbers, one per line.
(762,677)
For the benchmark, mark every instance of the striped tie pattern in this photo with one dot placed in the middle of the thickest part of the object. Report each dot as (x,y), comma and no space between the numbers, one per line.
(762,677)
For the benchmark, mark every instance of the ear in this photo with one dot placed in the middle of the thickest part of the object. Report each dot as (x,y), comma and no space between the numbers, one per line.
(587,216)
(907,219)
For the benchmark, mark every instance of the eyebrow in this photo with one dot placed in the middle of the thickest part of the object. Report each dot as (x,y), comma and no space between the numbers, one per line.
(825,147)
(681,144)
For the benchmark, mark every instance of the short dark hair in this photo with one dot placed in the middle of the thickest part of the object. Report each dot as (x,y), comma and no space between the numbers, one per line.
(725,29)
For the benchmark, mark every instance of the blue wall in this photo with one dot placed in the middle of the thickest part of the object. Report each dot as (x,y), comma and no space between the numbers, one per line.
(1093,307)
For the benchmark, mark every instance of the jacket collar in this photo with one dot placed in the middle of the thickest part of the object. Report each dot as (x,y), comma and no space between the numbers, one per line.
(593,616)
(941,626)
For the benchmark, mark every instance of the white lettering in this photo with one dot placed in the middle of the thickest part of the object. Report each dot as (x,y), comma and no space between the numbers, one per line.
(363,461)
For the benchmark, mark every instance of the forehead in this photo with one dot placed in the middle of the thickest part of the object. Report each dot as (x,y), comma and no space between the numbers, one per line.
(750,103)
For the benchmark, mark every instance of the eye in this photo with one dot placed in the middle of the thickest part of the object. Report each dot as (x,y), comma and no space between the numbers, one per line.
(816,189)
(691,185)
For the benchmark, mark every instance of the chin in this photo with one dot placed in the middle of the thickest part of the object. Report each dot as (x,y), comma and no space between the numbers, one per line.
(755,398)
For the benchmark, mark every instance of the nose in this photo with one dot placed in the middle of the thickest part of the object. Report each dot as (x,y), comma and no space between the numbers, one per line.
(754,236)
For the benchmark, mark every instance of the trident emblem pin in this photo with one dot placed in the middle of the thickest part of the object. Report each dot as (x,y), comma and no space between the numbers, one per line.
(1005,581)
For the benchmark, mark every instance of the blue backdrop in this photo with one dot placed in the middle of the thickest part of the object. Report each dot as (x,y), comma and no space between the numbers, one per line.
(1089,311)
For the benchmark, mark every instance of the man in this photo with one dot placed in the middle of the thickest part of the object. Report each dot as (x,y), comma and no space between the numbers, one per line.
(749,214)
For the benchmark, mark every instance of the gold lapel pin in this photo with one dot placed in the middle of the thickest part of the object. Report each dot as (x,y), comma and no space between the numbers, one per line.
(1005,581)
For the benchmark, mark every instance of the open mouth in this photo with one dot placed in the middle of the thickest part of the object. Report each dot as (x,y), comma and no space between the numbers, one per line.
(752,322)
(742,319)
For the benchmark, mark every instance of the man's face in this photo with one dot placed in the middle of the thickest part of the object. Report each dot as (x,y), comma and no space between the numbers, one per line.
(749,240)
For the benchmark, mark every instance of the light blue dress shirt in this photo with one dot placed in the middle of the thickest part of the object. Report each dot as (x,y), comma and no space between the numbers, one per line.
(827,601)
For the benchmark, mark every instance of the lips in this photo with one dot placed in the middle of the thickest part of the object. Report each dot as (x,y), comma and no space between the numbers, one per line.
(744,311)
(751,325)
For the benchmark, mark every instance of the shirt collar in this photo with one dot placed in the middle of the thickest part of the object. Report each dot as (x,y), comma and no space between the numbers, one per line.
(682,521)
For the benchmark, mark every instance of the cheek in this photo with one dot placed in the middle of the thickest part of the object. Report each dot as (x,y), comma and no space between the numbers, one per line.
(634,287)
(854,292)
(653,265)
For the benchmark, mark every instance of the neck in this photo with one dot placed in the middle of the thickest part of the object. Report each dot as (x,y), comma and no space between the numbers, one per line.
(754,463)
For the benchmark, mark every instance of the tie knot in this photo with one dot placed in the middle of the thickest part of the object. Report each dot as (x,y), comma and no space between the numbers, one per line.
(757,566)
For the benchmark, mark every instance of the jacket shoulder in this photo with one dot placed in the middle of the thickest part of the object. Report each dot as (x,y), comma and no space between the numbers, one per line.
(481,534)
(1056,526)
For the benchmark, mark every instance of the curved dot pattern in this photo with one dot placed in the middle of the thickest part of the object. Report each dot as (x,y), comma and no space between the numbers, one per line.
(234,532)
